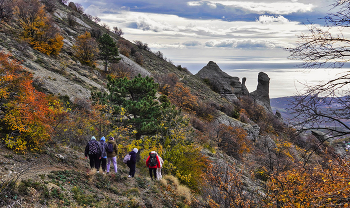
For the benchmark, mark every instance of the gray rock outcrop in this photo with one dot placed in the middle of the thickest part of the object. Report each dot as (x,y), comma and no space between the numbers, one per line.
(244,89)
(261,94)
(73,6)
(221,82)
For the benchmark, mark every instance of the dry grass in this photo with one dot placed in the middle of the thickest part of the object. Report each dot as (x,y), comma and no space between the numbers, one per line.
(184,191)
(172,179)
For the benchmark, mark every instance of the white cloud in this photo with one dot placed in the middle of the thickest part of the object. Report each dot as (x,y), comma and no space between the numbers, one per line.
(241,44)
(265,19)
(145,23)
(260,7)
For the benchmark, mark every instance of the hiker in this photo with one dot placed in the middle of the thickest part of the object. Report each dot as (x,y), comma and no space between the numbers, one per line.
(103,160)
(112,152)
(93,149)
(153,163)
(159,170)
(132,163)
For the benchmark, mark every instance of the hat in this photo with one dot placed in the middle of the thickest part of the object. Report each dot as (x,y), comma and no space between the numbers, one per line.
(103,138)
(153,152)
(111,138)
(93,138)
(135,150)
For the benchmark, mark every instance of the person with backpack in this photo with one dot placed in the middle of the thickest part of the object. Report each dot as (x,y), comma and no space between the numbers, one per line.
(159,170)
(112,152)
(93,150)
(131,163)
(104,147)
(153,163)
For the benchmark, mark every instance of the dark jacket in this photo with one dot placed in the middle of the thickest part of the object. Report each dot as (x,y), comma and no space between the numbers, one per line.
(132,158)
(115,148)
(104,146)
(87,152)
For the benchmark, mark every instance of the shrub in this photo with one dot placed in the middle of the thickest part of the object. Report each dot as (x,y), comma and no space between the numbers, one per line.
(80,8)
(6,10)
(140,45)
(86,49)
(139,58)
(118,31)
(96,33)
(38,29)
(182,97)
(124,50)
(233,141)
(205,111)
(166,82)
(29,115)
(159,54)
(49,5)
(120,70)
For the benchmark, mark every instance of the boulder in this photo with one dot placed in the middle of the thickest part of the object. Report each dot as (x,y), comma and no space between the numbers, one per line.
(322,137)
(73,6)
(261,94)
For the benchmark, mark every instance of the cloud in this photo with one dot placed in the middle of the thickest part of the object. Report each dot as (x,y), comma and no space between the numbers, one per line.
(258,7)
(265,19)
(145,23)
(192,43)
(241,44)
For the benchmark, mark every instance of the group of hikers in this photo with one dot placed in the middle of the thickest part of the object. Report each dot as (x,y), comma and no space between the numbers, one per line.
(102,153)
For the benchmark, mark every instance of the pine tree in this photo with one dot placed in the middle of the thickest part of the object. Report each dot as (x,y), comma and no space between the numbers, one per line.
(109,50)
(137,98)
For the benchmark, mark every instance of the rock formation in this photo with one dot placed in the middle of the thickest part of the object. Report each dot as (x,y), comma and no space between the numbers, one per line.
(73,6)
(220,81)
(244,89)
(261,94)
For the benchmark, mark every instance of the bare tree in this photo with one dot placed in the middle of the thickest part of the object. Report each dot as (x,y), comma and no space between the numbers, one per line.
(325,106)
(118,31)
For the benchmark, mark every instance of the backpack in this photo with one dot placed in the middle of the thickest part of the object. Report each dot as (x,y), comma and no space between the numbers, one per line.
(110,147)
(126,158)
(93,147)
(152,160)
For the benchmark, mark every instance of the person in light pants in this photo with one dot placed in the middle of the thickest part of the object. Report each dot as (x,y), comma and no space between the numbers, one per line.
(159,170)
(112,156)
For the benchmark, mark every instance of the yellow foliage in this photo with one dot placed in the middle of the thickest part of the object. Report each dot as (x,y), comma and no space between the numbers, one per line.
(40,32)
(86,49)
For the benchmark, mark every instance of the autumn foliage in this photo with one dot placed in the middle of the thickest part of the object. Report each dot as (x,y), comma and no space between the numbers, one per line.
(86,49)
(37,28)
(28,114)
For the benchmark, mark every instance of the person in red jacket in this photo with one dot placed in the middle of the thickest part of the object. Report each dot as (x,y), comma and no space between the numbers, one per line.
(153,163)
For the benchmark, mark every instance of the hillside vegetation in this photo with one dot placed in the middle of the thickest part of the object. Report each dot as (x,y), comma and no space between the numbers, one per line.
(66,78)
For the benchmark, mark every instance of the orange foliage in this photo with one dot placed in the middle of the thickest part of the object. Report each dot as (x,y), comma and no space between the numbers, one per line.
(233,140)
(29,114)
(314,187)
(224,187)
(38,29)
(86,49)
(181,96)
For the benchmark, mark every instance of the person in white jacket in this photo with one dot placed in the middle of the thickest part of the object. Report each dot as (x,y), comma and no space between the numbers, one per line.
(159,170)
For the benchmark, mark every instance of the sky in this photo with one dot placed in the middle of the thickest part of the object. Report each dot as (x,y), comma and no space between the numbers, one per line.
(243,37)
